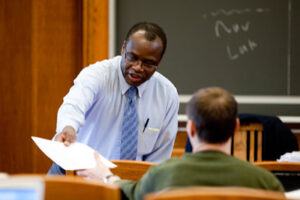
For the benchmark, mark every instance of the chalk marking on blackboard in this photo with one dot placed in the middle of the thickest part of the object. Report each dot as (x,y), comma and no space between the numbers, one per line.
(230,55)
(246,26)
(234,12)
(229,12)
(241,49)
(236,28)
(252,44)
(246,48)
(261,10)
(220,24)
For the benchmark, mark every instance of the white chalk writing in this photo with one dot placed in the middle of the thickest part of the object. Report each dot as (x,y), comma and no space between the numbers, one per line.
(223,12)
(235,28)
(240,50)
(225,29)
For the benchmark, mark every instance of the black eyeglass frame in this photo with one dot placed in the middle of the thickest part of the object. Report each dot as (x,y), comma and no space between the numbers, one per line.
(145,64)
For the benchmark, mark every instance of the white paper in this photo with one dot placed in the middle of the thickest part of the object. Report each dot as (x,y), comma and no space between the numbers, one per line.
(295,194)
(290,157)
(73,157)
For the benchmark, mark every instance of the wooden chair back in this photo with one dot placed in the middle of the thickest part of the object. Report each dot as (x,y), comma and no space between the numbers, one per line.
(179,145)
(131,169)
(287,172)
(76,188)
(215,193)
(279,166)
(247,142)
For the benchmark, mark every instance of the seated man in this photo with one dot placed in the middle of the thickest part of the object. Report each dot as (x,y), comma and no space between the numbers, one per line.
(212,114)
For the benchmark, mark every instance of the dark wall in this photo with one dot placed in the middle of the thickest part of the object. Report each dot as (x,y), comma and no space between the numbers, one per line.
(295,50)
(249,47)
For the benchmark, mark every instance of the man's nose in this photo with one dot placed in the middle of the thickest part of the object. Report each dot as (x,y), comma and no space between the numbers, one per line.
(138,65)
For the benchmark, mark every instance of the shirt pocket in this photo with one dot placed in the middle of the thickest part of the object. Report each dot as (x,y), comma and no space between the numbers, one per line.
(147,140)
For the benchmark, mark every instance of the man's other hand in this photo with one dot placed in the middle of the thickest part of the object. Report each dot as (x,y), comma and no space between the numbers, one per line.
(98,173)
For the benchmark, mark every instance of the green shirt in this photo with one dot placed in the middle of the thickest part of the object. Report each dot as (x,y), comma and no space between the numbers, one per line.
(209,168)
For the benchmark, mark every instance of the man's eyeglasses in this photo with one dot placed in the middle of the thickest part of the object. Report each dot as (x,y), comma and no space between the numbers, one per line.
(146,64)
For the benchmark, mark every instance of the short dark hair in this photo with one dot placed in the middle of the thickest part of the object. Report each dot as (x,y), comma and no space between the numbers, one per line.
(152,31)
(214,111)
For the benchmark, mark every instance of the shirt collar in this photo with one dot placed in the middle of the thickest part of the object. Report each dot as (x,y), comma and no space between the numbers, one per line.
(125,86)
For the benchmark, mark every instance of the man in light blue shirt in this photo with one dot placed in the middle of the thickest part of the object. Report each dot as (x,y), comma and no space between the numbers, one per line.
(92,111)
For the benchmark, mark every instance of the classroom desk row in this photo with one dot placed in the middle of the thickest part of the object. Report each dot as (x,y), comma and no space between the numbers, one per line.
(41,187)
(75,188)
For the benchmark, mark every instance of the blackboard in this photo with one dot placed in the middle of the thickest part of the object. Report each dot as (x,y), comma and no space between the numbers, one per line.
(250,47)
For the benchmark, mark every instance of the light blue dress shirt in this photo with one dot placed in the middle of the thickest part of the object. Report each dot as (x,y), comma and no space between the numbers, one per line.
(95,103)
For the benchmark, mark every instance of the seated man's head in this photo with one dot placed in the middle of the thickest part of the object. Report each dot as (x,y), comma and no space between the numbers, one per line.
(212,114)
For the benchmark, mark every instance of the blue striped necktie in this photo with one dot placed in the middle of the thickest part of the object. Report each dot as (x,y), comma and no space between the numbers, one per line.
(129,127)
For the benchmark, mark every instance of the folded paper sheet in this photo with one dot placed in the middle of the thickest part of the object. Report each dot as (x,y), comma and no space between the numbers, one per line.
(74,157)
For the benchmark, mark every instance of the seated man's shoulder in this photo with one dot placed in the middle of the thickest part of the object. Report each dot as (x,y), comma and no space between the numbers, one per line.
(249,175)
(251,169)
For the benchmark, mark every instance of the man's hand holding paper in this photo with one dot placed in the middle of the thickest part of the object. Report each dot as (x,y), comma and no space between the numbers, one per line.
(67,136)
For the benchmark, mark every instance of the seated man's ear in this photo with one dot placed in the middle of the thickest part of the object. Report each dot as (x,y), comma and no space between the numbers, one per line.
(192,134)
(191,128)
(237,125)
